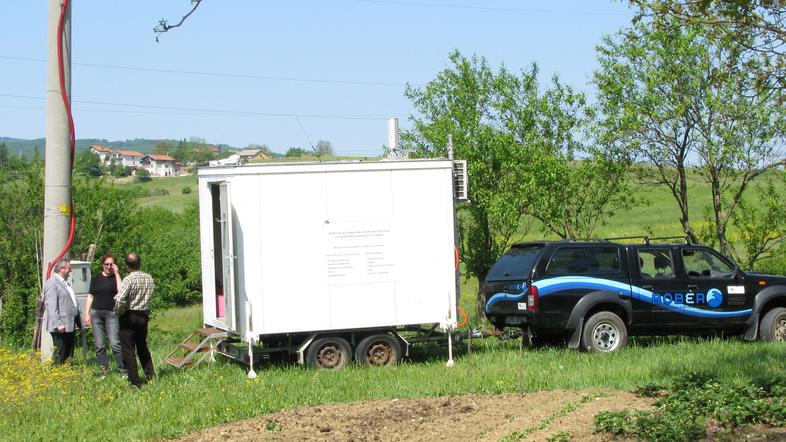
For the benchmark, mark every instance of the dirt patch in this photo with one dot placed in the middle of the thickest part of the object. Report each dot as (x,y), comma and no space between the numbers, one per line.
(530,416)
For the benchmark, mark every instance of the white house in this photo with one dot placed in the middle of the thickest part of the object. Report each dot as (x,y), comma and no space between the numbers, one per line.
(104,153)
(160,164)
(128,158)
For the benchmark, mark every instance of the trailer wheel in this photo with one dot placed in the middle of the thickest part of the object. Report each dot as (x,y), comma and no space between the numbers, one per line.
(329,353)
(378,350)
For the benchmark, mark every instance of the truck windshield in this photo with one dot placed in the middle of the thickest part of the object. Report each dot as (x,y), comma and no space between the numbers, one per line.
(515,264)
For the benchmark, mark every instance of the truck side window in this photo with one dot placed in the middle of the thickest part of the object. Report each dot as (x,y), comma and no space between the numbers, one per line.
(655,263)
(568,260)
(705,263)
(604,260)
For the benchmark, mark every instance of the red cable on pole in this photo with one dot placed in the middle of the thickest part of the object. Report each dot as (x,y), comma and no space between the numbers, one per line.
(72,135)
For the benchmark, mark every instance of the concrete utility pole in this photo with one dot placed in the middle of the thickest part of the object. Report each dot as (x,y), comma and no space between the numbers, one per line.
(57,175)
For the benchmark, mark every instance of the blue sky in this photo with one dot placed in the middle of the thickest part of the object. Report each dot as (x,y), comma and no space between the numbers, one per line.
(238,72)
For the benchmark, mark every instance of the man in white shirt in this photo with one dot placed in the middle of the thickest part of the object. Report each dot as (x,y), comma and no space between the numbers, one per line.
(61,311)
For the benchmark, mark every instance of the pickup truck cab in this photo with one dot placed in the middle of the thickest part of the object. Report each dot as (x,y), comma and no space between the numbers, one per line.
(595,294)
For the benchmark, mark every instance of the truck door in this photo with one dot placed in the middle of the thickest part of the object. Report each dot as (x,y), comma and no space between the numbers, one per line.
(653,277)
(227,257)
(718,295)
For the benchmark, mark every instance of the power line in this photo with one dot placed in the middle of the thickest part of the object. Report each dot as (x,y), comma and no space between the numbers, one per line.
(220,111)
(217,74)
(490,8)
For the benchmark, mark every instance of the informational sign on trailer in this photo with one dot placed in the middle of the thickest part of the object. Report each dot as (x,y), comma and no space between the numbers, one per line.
(358,252)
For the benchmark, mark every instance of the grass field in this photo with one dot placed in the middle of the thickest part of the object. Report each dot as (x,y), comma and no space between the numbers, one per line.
(88,408)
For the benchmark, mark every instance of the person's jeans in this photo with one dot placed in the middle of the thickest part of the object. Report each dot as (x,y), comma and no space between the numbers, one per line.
(133,337)
(106,325)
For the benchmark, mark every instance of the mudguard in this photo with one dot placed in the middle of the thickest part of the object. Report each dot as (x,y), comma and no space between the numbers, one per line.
(762,298)
(587,303)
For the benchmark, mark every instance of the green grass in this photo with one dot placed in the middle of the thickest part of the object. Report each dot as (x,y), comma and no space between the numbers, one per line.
(181,401)
(166,192)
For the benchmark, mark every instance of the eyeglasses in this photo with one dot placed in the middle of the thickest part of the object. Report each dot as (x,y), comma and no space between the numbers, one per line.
(107,263)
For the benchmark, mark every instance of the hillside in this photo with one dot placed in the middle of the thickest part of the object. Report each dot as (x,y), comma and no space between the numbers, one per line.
(18,146)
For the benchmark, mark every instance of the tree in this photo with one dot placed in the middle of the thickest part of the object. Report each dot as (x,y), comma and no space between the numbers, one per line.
(88,163)
(524,152)
(295,152)
(21,234)
(762,230)
(323,148)
(165,148)
(3,156)
(755,27)
(676,98)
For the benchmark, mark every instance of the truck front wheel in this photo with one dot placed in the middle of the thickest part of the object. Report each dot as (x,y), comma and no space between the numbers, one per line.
(329,353)
(378,350)
(773,325)
(604,332)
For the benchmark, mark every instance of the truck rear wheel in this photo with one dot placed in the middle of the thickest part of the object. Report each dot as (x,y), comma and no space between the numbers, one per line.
(604,332)
(329,353)
(378,350)
(773,325)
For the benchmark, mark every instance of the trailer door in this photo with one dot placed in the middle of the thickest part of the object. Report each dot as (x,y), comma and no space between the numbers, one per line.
(228,258)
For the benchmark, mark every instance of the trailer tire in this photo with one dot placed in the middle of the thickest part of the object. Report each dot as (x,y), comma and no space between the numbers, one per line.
(773,325)
(378,351)
(330,353)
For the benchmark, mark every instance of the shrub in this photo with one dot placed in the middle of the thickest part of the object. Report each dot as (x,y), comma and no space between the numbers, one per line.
(186,190)
(699,406)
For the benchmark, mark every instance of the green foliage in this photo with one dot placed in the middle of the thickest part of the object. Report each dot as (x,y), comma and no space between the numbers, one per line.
(119,171)
(88,163)
(324,148)
(295,152)
(731,22)
(561,436)
(169,247)
(525,155)
(699,405)
(762,230)
(21,232)
(106,216)
(186,190)
(675,97)
(193,151)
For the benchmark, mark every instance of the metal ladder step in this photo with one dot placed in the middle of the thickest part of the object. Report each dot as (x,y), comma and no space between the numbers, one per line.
(210,331)
(193,346)
(195,351)
(178,362)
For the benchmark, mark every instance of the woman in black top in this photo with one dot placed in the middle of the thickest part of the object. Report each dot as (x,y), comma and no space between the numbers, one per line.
(100,305)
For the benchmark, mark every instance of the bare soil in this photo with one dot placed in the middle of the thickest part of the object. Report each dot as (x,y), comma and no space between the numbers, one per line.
(535,416)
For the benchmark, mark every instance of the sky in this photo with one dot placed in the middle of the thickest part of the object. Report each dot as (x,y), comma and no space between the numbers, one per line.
(280,73)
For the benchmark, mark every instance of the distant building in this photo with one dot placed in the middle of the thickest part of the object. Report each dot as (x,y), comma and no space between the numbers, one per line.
(247,155)
(104,153)
(155,164)
(160,165)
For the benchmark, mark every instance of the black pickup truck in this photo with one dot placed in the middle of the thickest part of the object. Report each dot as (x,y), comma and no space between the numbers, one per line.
(594,294)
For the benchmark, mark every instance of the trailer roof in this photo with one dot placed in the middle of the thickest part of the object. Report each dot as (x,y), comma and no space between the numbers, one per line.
(314,166)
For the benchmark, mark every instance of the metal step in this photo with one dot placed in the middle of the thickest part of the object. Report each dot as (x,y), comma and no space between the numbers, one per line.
(192,346)
(210,331)
(178,362)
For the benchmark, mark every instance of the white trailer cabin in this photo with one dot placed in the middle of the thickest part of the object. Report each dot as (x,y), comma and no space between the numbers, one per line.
(298,252)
